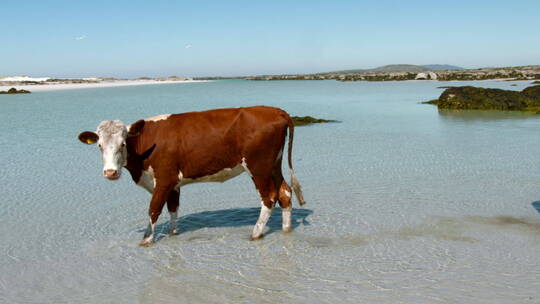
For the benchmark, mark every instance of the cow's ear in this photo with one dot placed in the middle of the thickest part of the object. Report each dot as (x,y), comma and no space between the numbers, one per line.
(148,152)
(88,137)
(136,128)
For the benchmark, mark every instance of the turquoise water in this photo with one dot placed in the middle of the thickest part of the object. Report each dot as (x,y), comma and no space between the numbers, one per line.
(405,203)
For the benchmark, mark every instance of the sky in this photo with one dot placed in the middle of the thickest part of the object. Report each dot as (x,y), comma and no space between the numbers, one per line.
(231,38)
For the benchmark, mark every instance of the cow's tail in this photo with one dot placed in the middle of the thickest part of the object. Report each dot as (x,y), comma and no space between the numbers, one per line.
(294,181)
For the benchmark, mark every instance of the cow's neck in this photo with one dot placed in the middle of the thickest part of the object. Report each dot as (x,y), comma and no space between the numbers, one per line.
(135,163)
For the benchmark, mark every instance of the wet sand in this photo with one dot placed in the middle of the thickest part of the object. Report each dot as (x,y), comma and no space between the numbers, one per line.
(103,84)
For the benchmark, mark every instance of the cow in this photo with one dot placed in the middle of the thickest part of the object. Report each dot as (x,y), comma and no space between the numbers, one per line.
(165,152)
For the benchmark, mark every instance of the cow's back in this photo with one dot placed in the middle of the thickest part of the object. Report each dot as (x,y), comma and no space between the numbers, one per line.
(203,143)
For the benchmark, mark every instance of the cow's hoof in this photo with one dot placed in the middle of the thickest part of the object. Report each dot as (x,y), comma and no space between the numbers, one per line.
(173,232)
(256,237)
(146,242)
(287,229)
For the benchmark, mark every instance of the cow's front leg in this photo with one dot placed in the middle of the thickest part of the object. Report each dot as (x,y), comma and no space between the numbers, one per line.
(266,211)
(159,197)
(173,202)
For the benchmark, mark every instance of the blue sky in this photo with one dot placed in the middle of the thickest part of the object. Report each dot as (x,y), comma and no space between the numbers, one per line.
(205,38)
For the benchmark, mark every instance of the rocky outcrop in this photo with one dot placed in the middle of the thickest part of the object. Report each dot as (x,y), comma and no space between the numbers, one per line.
(307,120)
(472,98)
(15,91)
(426,76)
(531,72)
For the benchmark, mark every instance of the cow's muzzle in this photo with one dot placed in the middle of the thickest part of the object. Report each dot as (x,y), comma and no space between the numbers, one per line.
(111,174)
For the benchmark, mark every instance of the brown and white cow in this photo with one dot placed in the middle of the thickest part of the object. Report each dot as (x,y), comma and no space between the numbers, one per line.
(165,152)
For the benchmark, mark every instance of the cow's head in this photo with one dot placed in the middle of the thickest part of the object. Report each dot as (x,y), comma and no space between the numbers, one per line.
(111,138)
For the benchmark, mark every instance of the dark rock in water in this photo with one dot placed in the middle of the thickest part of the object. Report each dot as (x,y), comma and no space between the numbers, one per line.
(307,120)
(536,82)
(532,93)
(15,91)
(472,98)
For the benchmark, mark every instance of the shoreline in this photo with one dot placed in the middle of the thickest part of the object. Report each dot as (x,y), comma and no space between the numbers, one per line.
(102,84)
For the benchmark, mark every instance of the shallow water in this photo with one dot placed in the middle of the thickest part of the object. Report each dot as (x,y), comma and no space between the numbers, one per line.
(406,204)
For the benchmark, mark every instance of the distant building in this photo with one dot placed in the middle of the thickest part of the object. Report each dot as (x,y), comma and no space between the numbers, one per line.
(426,76)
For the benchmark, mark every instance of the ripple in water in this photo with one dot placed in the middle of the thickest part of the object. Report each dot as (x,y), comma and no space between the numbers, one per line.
(405,204)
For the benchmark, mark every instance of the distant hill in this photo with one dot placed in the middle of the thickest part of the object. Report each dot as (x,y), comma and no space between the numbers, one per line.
(394,68)
(442,67)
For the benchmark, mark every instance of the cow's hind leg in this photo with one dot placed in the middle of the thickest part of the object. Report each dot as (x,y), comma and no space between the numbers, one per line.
(269,194)
(286,206)
(173,202)
(284,196)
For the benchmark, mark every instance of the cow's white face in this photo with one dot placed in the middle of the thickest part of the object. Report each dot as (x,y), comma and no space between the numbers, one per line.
(112,144)
(111,138)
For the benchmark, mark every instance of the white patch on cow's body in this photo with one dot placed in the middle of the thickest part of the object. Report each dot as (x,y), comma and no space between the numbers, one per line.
(174,217)
(158,117)
(286,215)
(147,180)
(261,222)
(287,193)
(180,179)
(220,176)
(244,165)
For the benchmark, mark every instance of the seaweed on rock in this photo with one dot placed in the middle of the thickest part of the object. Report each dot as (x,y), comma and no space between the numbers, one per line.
(15,91)
(473,98)
(307,120)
